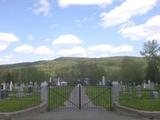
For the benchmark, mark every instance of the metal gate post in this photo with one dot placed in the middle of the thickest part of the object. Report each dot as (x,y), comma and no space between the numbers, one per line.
(49,101)
(110,90)
(79,97)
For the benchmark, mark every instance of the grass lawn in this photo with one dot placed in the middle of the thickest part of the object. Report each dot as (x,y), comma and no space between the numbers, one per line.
(15,104)
(58,95)
(143,103)
(100,96)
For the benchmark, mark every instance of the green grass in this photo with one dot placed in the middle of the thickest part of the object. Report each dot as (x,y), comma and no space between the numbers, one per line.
(143,103)
(58,95)
(100,96)
(15,104)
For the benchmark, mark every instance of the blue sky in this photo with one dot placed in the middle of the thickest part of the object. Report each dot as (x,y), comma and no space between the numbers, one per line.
(32,30)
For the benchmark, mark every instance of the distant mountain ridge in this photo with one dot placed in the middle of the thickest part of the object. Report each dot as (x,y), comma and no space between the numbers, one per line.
(66,59)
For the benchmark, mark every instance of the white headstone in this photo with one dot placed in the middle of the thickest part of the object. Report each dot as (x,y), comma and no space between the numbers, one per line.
(100,82)
(149,84)
(144,85)
(50,80)
(11,86)
(59,83)
(103,80)
(63,83)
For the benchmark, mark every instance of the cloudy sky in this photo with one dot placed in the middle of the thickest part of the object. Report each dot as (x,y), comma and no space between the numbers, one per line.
(32,30)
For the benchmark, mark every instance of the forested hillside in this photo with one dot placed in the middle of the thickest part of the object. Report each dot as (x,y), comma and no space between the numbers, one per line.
(72,69)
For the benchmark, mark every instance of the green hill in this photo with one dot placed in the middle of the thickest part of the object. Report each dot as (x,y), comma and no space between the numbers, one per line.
(70,68)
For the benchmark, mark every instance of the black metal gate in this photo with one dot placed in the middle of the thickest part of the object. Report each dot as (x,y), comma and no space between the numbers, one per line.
(79,98)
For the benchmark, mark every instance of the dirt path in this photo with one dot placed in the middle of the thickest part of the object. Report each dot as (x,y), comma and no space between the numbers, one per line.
(74,99)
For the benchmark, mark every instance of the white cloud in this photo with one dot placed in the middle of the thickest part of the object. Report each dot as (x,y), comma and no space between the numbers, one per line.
(27,49)
(6,39)
(101,50)
(67,39)
(6,59)
(3,46)
(148,31)
(104,48)
(43,50)
(43,7)
(66,3)
(76,51)
(126,11)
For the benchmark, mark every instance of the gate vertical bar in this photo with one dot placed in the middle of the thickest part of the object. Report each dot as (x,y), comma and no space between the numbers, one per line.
(110,95)
(49,97)
(79,97)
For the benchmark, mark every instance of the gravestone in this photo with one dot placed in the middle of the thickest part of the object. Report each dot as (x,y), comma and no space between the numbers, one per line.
(144,84)
(86,81)
(7,85)
(149,84)
(123,88)
(3,91)
(23,85)
(115,91)
(35,86)
(11,86)
(64,83)
(50,80)
(129,89)
(100,83)
(103,80)
(44,92)
(3,86)
(15,86)
(58,83)
(20,91)
(155,94)
(138,91)
(30,88)
(152,86)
